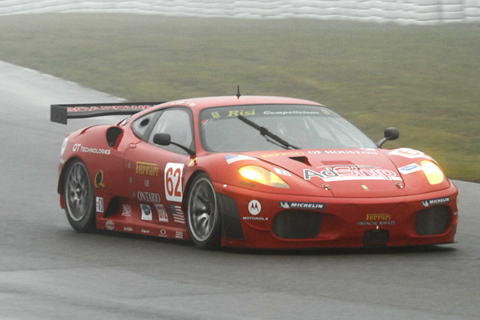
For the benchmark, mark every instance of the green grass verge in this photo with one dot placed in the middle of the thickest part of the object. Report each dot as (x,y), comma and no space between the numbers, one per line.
(423,79)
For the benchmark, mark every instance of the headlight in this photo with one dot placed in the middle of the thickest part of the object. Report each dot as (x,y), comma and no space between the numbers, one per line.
(432,171)
(263,176)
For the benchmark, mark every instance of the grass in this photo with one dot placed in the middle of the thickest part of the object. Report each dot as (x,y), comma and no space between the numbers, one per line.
(423,79)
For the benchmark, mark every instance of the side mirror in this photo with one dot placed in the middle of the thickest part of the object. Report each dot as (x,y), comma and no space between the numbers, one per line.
(164,139)
(390,133)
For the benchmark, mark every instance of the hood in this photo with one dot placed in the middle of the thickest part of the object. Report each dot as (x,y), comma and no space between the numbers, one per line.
(345,172)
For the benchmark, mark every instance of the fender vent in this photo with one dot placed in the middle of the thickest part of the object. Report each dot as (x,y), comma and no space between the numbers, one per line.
(112,135)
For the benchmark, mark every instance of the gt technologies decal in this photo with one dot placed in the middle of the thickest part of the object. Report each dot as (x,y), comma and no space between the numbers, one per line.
(78,147)
(345,173)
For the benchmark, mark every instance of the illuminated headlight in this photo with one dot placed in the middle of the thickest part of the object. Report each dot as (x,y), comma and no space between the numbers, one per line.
(263,176)
(64,145)
(433,172)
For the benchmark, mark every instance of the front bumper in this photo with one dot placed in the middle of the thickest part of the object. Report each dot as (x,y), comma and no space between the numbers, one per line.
(271,221)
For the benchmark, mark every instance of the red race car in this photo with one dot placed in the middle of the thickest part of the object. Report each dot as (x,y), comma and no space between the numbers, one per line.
(249,171)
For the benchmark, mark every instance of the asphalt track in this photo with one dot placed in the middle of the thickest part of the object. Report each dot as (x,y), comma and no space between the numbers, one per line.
(49,271)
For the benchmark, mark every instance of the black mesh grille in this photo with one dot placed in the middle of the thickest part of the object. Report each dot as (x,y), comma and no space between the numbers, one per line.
(297,224)
(434,220)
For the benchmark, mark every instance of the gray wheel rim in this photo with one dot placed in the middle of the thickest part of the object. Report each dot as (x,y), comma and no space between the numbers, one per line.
(77,193)
(202,209)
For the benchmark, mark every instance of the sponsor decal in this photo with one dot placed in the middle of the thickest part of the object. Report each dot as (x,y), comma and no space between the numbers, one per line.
(284,154)
(162,213)
(148,196)
(178,234)
(126,210)
(192,162)
(107,108)
(432,202)
(362,151)
(163,233)
(255,218)
(378,216)
(346,173)
(236,113)
(177,213)
(110,225)
(408,153)
(413,167)
(302,205)
(99,180)
(284,113)
(99,204)
(147,183)
(128,229)
(236,157)
(247,184)
(145,231)
(314,152)
(254,207)
(78,147)
(148,169)
(146,212)
(281,172)
(173,181)
(376,223)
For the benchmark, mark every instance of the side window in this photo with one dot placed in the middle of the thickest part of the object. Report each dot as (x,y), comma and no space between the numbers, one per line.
(141,125)
(178,124)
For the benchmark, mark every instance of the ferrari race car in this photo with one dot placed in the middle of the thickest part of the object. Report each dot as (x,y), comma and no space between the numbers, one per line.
(249,171)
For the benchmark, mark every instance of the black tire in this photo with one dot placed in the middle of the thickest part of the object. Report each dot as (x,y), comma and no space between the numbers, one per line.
(202,211)
(79,197)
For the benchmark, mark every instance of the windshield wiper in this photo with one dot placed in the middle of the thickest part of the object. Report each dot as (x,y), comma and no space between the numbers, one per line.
(267,134)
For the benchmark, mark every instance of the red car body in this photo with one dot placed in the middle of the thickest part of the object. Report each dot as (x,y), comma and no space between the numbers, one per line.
(325,197)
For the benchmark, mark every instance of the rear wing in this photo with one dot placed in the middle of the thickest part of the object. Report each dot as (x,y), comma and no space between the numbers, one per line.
(60,113)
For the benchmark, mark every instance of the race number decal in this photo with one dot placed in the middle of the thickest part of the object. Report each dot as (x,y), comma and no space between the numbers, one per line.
(173,181)
(409,153)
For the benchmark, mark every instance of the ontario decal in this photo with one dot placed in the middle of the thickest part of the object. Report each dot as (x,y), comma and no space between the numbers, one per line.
(148,196)
(302,205)
(346,173)
(148,169)
(432,202)
(173,181)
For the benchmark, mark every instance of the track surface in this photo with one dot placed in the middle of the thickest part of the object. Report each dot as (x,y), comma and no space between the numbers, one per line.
(49,271)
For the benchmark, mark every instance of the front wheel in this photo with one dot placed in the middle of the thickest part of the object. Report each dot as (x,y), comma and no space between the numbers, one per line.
(202,211)
(79,197)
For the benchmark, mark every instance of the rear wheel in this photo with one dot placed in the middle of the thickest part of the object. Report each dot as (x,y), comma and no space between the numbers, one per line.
(79,197)
(202,211)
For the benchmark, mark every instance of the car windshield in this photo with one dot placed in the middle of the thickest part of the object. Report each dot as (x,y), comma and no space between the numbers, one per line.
(301,126)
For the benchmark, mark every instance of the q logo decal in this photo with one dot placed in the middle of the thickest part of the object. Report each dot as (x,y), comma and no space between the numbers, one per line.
(99,180)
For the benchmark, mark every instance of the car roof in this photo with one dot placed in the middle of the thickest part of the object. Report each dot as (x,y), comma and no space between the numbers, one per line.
(198,104)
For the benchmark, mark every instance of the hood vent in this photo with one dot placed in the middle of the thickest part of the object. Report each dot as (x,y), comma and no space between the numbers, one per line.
(301,159)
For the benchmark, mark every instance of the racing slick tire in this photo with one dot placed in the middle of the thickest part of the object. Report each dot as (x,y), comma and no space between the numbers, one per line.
(79,197)
(202,213)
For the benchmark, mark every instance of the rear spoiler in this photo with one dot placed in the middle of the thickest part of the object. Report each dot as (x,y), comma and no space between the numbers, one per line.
(61,112)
